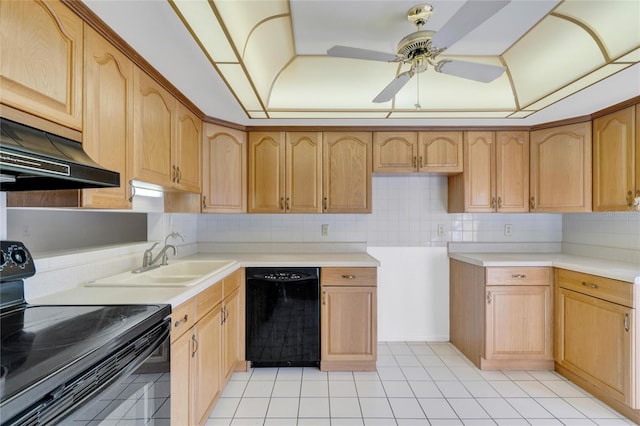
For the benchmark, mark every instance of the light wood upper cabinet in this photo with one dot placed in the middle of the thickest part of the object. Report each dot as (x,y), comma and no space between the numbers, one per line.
(185,154)
(346,172)
(224,170)
(108,117)
(616,165)
(440,152)
(154,130)
(495,176)
(41,60)
(285,172)
(429,152)
(560,178)
(266,172)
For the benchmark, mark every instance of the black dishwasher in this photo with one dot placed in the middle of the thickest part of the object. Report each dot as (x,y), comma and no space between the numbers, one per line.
(283,317)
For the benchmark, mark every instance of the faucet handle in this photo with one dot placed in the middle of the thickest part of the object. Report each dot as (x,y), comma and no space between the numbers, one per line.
(148,255)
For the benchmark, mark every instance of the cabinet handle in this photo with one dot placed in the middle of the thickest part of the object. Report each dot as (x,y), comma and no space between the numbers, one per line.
(195,345)
(226,314)
(590,285)
(223,317)
(518,276)
(182,321)
(533,203)
(493,202)
(421,165)
(348,277)
(281,203)
(174,173)
(204,201)
(415,162)
(488,297)
(324,298)
(179,174)
(499,202)
(324,203)
(286,204)
(626,323)
(630,199)
(132,192)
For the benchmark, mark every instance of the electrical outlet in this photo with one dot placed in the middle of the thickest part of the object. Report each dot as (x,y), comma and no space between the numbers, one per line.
(325,229)
(507,230)
(440,230)
(26,232)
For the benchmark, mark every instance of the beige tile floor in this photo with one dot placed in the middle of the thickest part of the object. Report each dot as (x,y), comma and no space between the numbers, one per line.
(416,383)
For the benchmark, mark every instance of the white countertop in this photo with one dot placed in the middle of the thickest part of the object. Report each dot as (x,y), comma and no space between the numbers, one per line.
(622,271)
(83,295)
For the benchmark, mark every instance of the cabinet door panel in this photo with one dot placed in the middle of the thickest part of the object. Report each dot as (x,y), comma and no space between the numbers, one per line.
(304,172)
(614,144)
(224,170)
(594,342)
(395,151)
(519,322)
(512,172)
(440,152)
(181,385)
(266,172)
(186,150)
(355,307)
(108,117)
(208,368)
(232,333)
(41,60)
(479,164)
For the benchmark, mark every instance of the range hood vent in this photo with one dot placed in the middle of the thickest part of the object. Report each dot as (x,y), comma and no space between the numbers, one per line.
(32,160)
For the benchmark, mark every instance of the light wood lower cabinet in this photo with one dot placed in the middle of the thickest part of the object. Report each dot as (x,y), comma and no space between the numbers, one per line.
(205,349)
(348,319)
(502,317)
(597,338)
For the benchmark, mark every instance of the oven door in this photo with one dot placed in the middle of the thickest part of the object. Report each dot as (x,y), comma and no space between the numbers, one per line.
(141,397)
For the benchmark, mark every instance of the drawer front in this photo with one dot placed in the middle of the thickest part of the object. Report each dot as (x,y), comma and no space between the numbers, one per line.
(232,282)
(349,276)
(519,275)
(208,299)
(615,291)
(183,318)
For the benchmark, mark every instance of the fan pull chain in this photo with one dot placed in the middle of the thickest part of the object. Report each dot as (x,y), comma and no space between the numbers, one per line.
(417,104)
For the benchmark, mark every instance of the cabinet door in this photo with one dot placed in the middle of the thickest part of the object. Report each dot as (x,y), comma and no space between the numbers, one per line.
(266,172)
(231,330)
(519,322)
(181,384)
(185,154)
(207,364)
(224,170)
(479,175)
(303,161)
(108,117)
(346,172)
(153,131)
(395,152)
(440,152)
(614,163)
(560,178)
(348,318)
(594,339)
(512,171)
(41,60)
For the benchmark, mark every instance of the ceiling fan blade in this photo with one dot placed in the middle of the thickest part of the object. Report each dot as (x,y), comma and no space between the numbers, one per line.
(357,53)
(393,87)
(466,19)
(484,73)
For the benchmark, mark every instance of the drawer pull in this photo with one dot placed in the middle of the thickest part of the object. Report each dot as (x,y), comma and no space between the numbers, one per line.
(590,285)
(195,345)
(348,277)
(324,298)
(626,323)
(488,298)
(182,321)
(518,276)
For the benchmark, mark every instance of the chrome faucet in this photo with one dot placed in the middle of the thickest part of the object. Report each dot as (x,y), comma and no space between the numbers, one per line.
(149,262)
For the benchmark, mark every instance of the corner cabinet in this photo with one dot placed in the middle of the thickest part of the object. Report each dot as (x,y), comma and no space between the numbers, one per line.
(597,337)
(495,176)
(560,178)
(41,60)
(346,169)
(348,319)
(502,317)
(616,160)
(224,170)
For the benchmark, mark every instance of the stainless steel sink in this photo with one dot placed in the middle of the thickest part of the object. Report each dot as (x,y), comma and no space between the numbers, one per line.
(179,274)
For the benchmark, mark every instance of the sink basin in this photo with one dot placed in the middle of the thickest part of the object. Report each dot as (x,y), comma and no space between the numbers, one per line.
(179,274)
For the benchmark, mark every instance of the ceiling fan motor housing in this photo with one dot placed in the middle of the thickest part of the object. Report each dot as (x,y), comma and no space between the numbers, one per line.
(416,46)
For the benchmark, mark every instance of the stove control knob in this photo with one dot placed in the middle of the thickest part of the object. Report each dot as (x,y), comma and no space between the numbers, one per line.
(2,259)
(19,256)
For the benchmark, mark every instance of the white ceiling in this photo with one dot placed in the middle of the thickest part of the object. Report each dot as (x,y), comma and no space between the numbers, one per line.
(155,31)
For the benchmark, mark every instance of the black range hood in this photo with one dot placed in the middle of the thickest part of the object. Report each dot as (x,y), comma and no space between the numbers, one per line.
(32,160)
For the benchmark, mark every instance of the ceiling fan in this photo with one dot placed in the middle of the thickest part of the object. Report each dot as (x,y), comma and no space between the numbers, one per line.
(421,48)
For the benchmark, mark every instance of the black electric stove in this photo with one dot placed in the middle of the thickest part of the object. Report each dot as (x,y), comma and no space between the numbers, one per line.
(54,358)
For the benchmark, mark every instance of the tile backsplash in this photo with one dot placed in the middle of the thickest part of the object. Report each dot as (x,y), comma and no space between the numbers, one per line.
(612,229)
